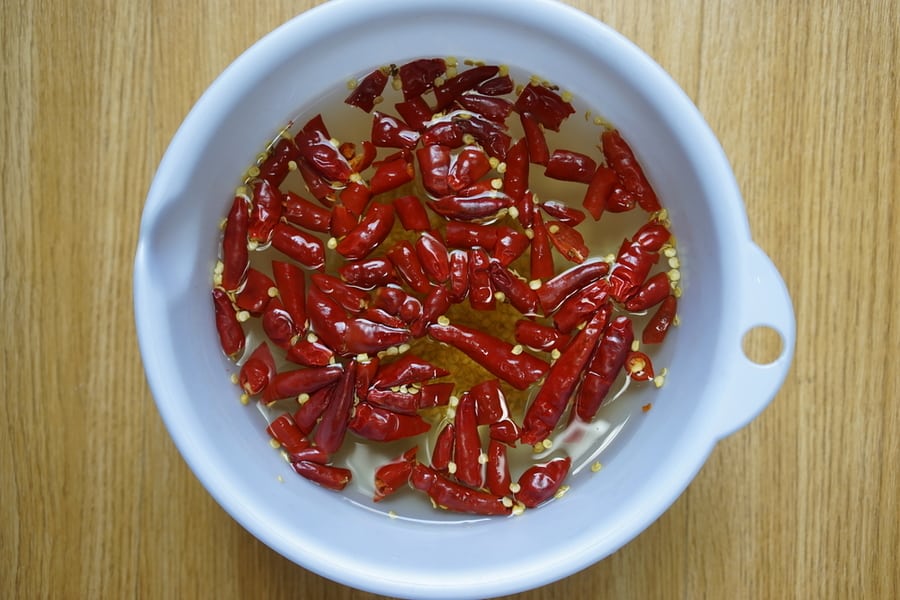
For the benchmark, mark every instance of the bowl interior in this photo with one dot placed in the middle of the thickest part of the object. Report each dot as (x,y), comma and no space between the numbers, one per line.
(223,441)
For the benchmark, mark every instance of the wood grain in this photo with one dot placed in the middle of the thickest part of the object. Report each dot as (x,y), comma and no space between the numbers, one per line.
(95,500)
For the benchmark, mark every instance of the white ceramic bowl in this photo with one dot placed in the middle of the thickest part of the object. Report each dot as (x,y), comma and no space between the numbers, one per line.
(730,287)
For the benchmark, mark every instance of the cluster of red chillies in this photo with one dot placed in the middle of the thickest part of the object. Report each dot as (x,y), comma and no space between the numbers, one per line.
(350,332)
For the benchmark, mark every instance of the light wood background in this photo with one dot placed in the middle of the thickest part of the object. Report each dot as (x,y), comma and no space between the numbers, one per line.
(95,500)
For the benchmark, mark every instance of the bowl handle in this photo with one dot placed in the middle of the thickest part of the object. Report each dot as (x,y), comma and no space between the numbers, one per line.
(765,303)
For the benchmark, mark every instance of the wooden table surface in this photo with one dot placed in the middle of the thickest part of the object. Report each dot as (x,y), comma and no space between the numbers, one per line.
(95,500)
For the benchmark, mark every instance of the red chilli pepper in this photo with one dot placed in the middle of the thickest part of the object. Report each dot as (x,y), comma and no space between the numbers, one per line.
(369,273)
(635,259)
(442,454)
(484,205)
(652,236)
(471,164)
(307,250)
(327,319)
(510,245)
(434,165)
(411,213)
(356,197)
(311,454)
(497,477)
(394,475)
(481,288)
(655,290)
(492,136)
(580,305)
(231,336)
(498,86)
(406,370)
(545,105)
(310,353)
(599,190)
(417,76)
(315,183)
(329,434)
(453,496)
(505,431)
(551,400)
(568,241)
(364,336)
(415,111)
(334,478)
(352,299)
(392,174)
(342,222)
(365,373)
(317,148)
(369,233)
(258,370)
(311,408)
(396,301)
(406,262)
(444,131)
(289,384)
(557,289)
(256,294)
(435,394)
(541,258)
(539,337)
(459,276)
(490,107)
(538,152)
(470,235)
(403,402)
(379,315)
(367,90)
(285,431)
(277,165)
(264,212)
(515,179)
(517,292)
(500,358)
(568,165)
(383,425)
(540,482)
(302,212)
(391,132)
(278,324)
(454,87)
(604,367)
(656,328)
(490,402)
(638,366)
(620,157)
(235,255)
(567,214)
(434,257)
(467,446)
(527,209)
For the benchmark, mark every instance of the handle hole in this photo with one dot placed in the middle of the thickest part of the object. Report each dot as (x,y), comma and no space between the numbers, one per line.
(762,345)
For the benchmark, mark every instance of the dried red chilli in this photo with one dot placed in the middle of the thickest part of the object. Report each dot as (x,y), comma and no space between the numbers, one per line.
(366,91)
(231,335)
(302,212)
(258,370)
(235,256)
(401,246)
(394,475)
